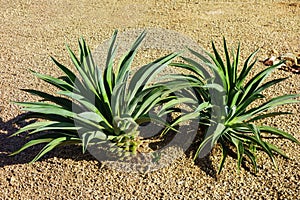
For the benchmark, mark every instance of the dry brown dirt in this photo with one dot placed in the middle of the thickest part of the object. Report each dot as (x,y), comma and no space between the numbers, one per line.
(31,31)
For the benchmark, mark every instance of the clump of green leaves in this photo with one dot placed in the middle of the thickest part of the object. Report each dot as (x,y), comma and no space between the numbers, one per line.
(94,107)
(233,113)
(91,107)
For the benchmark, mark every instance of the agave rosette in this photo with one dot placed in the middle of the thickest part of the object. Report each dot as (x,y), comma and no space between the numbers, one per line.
(231,96)
(95,107)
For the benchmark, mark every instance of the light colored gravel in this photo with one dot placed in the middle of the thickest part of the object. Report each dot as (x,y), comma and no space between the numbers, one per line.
(31,31)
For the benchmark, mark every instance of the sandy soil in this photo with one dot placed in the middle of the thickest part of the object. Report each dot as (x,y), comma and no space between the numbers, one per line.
(31,31)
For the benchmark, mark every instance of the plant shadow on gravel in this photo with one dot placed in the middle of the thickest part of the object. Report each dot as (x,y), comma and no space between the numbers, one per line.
(8,145)
(205,163)
(11,144)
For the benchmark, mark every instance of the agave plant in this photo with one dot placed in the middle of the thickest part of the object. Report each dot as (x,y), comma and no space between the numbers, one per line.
(94,107)
(233,111)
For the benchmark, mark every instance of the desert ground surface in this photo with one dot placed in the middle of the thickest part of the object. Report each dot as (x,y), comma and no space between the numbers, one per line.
(32,31)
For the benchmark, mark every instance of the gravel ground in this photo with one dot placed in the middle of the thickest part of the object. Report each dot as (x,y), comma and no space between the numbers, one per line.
(31,31)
